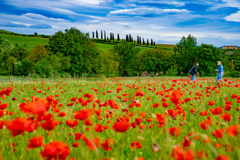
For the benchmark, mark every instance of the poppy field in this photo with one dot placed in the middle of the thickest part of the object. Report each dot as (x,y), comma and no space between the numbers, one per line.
(120,118)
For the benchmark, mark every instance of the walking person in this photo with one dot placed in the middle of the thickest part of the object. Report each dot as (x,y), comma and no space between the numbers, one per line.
(193,71)
(220,71)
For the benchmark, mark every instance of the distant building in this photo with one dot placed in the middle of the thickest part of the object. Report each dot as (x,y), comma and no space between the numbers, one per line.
(230,47)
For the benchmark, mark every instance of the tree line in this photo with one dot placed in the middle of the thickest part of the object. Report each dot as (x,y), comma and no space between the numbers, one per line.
(129,38)
(74,53)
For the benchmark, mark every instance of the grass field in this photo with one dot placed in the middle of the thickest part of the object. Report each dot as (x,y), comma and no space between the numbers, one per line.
(120,118)
(31,42)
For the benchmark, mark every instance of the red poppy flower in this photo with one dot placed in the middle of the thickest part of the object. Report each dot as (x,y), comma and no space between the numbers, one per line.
(71,123)
(75,144)
(155,105)
(205,124)
(142,115)
(98,127)
(222,157)
(19,125)
(92,144)
(186,142)
(226,117)
(88,122)
(37,107)
(49,124)
(1,113)
(83,114)
(140,93)
(3,106)
(203,113)
(121,125)
(35,142)
(73,99)
(174,131)
(232,130)
(218,133)
(216,111)
(136,144)
(176,96)
(177,153)
(55,150)
(211,103)
(107,144)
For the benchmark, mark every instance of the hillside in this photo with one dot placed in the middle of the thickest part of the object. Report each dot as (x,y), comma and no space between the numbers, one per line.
(31,41)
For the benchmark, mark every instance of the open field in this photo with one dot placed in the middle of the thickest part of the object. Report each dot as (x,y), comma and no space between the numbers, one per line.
(120,118)
(31,42)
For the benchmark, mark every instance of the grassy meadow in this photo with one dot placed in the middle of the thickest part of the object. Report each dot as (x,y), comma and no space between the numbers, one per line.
(119,119)
(31,42)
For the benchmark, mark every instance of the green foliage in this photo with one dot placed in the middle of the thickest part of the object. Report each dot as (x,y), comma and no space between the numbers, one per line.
(23,68)
(172,71)
(207,56)
(127,53)
(79,48)
(37,54)
(109,64)
(19,52)
(185,53)
(235,74)
(155,60)
(43,68)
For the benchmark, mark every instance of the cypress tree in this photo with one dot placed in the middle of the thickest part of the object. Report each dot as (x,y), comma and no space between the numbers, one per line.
(97,34)
(101,34)
(143,42)
(147,42)
(118,37)
(105,35)
(92,34)
(140,40)
(151,42)
(126,38)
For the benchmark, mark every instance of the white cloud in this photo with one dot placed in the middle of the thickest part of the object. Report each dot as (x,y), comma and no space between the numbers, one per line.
(41,17)
(164,2)
(22,24)
(235,17)
(87,1)
(146,10)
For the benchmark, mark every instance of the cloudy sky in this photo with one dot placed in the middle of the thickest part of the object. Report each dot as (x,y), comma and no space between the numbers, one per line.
(214,22)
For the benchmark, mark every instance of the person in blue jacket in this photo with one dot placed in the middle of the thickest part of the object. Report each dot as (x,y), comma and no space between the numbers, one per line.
(220,71)
(193,71)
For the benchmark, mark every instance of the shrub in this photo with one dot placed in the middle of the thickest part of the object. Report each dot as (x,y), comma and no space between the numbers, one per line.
(235,74)
(172,71)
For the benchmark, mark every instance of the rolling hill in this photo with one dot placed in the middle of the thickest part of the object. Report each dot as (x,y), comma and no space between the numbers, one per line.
(31,41)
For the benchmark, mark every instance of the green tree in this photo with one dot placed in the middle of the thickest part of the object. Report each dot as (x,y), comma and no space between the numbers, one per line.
(155,60)
(185,53)
(76,45)
(43,68)
(109,63)
(19,52)
(127,53)
(207,56)
(23,68)
(37,54)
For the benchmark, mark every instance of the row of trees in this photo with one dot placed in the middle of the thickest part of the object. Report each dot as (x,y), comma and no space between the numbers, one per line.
(73,52)
(128,38)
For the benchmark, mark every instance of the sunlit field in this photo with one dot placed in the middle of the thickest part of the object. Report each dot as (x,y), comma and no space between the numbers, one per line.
(119,119)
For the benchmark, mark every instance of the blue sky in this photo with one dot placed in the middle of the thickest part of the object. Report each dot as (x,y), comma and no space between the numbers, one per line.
(214,22)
